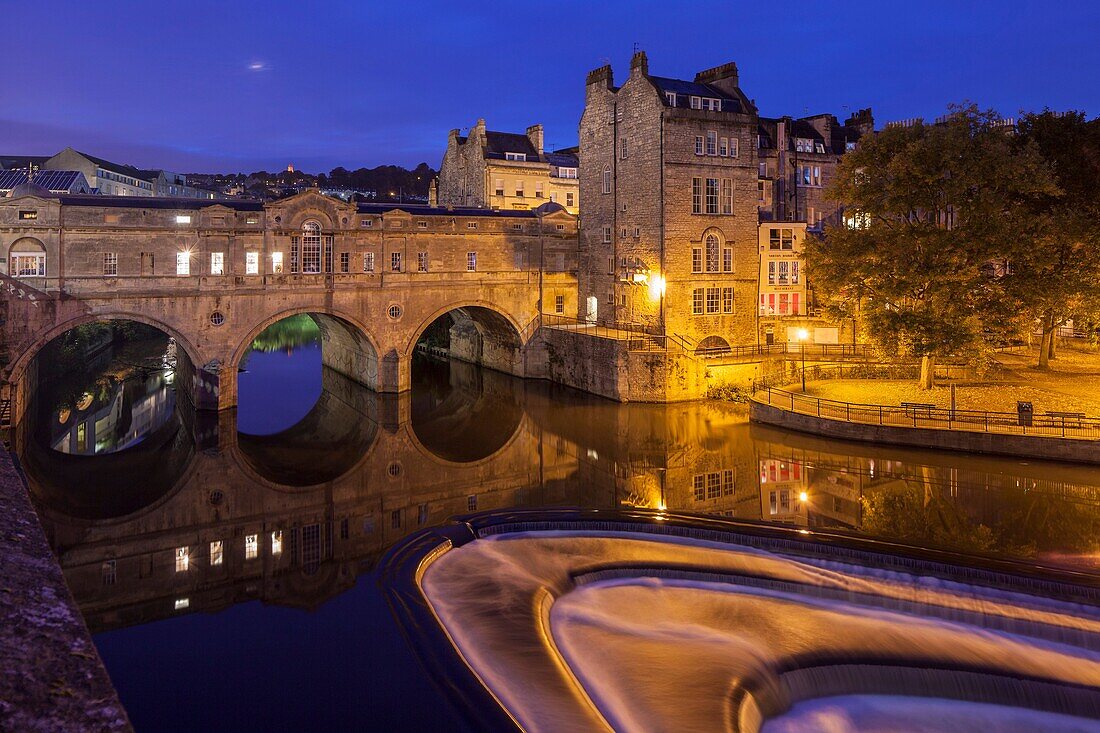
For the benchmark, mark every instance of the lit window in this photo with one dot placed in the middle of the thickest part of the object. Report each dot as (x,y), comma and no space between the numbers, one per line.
(251,546)
(110,263)
(422,261)
(182,603)
(311,247)
(217,263)
(183,559)
(183,218)
(28,264)
(28,215)
(216,553)
(277,542)
(251,263)
(368,262)
(471,261)
(395,261)
(252,219)
(183,263)
(277,263)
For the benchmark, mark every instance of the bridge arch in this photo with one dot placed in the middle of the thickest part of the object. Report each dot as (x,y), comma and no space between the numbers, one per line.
(347,345)
(187,369)
(481,333)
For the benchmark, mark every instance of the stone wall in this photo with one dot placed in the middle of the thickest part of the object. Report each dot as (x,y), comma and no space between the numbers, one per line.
(1024,446)
(53,677)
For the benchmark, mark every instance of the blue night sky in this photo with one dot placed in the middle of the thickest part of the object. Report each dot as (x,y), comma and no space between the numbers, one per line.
(240,86)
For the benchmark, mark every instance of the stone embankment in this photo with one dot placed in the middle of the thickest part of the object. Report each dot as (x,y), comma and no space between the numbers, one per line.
(1075,439)
(51,676)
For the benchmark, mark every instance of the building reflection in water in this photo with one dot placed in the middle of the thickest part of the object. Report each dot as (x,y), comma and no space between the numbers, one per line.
(198,517)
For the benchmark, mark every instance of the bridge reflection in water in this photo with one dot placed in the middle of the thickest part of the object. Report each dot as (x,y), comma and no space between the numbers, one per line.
(199,516)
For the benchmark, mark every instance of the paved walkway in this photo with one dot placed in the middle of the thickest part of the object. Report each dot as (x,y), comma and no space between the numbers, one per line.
(51,676)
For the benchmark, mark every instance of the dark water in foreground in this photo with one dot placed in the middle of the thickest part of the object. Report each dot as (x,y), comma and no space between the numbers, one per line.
(226,564)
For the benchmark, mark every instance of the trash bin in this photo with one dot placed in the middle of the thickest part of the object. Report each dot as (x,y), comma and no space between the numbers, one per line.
(1025,411)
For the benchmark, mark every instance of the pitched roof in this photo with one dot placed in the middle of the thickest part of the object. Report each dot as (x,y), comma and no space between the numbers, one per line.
(499,143)
(126,170)
(688,89)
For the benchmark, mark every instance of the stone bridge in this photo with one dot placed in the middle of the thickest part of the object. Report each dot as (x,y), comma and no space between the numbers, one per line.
(213,275)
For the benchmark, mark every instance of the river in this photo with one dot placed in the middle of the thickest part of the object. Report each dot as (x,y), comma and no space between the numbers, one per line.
(225,563)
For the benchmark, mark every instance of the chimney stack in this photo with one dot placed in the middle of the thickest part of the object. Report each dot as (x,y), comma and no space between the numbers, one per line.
(639,61)
(534,134)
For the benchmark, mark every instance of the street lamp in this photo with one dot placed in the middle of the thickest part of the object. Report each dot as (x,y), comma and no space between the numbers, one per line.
(802,334)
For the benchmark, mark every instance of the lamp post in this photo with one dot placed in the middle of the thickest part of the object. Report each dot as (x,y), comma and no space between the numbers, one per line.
(802,334)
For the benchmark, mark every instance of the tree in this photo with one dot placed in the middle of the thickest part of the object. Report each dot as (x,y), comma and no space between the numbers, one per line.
(1055,272)
(927,212)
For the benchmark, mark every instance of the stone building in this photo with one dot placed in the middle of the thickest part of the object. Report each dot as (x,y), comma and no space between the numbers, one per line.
(669,181)
(506,171)
(116,179)
(798,158)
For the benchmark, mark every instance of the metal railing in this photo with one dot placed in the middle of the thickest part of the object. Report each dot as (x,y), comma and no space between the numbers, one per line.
(1059,425)
(616,331)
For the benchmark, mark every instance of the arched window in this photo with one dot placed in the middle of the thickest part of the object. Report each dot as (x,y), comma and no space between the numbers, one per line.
(27,258)
(311,247)
(714,253)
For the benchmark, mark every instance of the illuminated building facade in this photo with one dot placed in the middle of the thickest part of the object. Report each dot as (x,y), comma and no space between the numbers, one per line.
(506,171)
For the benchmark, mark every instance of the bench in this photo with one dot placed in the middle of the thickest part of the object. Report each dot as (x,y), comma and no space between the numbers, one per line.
(913,408)
(1065,419)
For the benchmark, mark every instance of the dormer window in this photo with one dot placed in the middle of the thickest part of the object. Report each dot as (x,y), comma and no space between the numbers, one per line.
(714,105)
(515,156)
(671,97)
(696,103)
(820,148)
(803,145)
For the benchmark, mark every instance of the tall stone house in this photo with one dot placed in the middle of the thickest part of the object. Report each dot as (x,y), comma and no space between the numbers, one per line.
(668,176)
(798,157)
(506,171)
